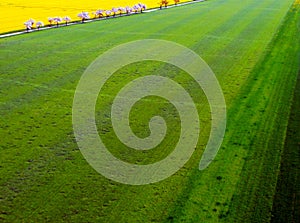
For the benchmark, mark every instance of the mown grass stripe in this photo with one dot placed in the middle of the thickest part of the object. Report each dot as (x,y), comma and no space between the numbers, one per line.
(258,194)
(286,203)
(237,141)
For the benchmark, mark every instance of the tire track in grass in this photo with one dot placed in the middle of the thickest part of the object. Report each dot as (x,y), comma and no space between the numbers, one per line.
(246,49)
(116,209)
(115,219)
(257,184)
(195,14)
(203,32)
(242,35)
(238,37)
(286,205)
(225,53)
(193,215)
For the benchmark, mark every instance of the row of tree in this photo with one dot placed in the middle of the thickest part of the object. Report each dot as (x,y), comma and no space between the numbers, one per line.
(138,8)
(55,20)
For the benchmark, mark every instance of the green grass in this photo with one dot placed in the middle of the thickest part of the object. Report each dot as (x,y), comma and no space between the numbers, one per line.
(286,205)
(252,49)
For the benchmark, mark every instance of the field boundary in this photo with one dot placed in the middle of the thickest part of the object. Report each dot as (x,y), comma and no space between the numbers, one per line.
(77,22)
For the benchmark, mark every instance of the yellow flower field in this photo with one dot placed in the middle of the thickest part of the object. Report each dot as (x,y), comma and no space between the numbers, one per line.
(15,12)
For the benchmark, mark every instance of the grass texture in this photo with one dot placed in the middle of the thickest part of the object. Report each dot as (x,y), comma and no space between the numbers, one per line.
(253,48)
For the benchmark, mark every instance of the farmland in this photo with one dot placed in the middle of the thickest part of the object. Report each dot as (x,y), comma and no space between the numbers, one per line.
(252,47)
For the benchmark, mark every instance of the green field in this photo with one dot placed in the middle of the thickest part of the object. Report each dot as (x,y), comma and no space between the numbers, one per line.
(253,47)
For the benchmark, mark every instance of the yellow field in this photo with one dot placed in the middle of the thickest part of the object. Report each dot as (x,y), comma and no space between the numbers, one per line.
(15,12)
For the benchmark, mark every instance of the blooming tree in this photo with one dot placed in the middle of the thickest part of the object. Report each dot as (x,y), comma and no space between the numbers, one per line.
(107,13)
(136,8)
(57,20)
(99,13)
(67,19)
(142,7)
(128,10)
(39,24)
(83,16)
(121,10)
(32,21)
(114,10)
(28,24)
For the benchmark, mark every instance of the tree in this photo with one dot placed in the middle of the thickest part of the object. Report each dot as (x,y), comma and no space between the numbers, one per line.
(128,10)
(99,13)
(67,19)
(83,16)
(114,10)
(39,24)
(136,8)
(108,13)
(176,1)
(57,20)
(142,7)
(121,10)
(28,24)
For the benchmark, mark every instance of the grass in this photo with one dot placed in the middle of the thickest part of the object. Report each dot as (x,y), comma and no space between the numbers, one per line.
(43,174)
(286,201)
